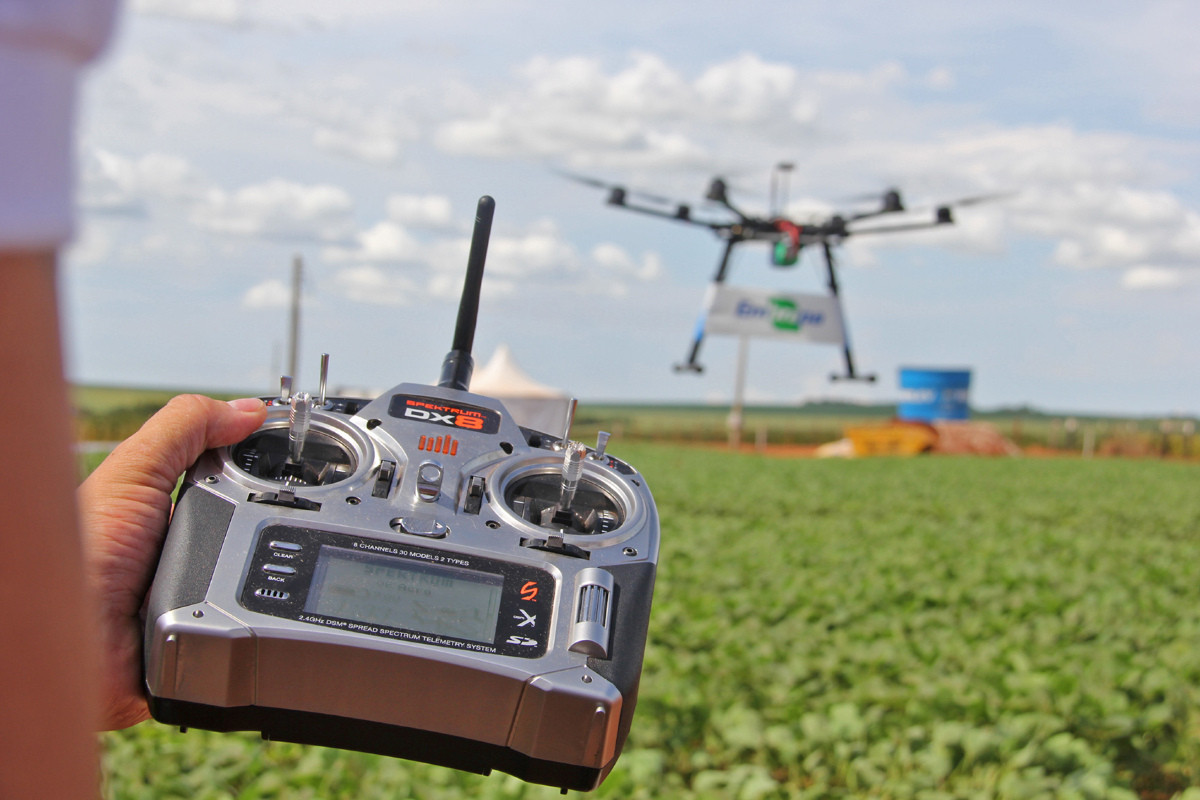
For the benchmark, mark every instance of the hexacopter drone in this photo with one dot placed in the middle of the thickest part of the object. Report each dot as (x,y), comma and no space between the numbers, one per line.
(788,237)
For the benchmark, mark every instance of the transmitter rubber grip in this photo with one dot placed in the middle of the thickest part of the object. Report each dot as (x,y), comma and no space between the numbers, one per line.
(631,625)
(189,556)
(325,730)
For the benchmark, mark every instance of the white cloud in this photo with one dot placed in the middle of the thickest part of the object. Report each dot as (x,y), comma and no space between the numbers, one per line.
(91,246)
(940,79)
(540,251)
(421,211)
(645,113)
(272,293)
(1152,278)
(542,260)
(879,78)
(351,115)
(378,146)
(575,81)
(113,183)
(311,92)
(384,242)
(391,264)
(1097,196)
(222,12)
(165,185)
(160,247)
(648,88)
(526,130)
(1150,50)
(1100,226)
(748,90)
(162,94)
(1093,196)
(616,260)
(278,208)
(375,285)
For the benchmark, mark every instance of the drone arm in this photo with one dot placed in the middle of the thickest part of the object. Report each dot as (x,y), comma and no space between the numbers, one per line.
(681,213)
(906,226)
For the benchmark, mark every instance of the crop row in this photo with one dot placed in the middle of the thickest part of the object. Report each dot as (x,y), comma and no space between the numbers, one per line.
(926,628)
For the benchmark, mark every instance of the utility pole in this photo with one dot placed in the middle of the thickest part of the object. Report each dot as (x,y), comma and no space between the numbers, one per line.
(736,420)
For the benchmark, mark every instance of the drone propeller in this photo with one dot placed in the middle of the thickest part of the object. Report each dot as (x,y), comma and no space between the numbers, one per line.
(888,202)
(661,206)
(889,199)
(617,188)
(944,213)
(976,199)
(718,193)
(584,179)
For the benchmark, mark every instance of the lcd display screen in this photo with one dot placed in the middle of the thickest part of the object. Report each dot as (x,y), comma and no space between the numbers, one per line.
(405,594)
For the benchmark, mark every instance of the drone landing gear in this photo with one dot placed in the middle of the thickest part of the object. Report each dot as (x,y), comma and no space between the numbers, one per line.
(692,365)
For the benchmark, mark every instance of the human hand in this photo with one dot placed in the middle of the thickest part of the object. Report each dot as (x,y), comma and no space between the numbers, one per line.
(124,507)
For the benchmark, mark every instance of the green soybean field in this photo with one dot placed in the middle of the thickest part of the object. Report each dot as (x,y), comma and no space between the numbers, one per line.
(936,627)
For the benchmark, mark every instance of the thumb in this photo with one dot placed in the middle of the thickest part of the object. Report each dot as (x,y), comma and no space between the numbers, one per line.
(171,440)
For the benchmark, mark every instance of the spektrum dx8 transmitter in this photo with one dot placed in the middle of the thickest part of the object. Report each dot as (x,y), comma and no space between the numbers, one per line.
(414,575)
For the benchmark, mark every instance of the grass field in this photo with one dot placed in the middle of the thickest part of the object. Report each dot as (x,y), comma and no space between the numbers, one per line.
(109,413)
(926,628)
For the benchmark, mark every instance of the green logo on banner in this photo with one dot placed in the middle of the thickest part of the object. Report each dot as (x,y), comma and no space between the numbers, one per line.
(785,315)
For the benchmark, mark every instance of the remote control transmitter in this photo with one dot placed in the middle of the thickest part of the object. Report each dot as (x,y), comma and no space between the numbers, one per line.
(414,575)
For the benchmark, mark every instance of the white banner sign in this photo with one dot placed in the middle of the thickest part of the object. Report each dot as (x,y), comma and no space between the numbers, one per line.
(813,318)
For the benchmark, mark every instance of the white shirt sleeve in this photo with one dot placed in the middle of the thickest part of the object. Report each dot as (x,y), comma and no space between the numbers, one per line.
(44,46)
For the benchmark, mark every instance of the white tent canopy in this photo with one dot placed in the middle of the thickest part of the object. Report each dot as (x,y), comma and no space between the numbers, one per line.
(532,404)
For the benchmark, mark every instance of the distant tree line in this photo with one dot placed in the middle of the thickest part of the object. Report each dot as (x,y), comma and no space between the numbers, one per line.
(112,425)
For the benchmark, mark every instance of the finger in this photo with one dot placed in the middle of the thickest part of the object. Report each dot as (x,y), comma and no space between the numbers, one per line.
(171,440)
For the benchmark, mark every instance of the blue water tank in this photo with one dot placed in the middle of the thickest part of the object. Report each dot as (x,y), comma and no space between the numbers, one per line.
(935,394)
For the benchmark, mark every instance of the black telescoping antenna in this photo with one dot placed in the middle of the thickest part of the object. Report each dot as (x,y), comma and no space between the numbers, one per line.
(458,365)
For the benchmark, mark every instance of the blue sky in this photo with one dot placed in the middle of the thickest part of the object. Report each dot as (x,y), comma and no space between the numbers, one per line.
(221,138)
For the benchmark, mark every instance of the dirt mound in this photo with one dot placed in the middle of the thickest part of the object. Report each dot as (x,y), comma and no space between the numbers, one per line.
(903,438)
(977,438)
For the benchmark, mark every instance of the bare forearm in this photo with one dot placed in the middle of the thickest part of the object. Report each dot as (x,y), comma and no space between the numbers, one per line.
(47,655)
